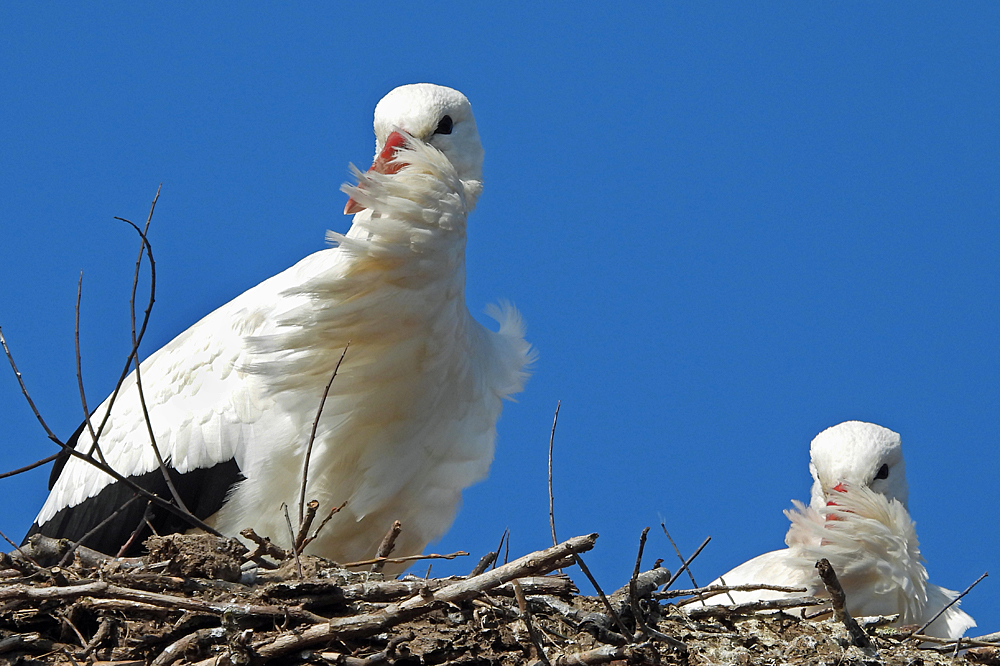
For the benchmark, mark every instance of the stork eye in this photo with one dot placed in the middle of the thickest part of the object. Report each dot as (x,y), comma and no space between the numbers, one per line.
(444,127)
(883,472)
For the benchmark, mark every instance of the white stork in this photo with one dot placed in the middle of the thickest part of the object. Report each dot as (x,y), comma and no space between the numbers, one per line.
(411,417)
(858,520)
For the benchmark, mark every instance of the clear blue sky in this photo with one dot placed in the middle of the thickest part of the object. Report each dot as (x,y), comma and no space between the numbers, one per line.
(728,228)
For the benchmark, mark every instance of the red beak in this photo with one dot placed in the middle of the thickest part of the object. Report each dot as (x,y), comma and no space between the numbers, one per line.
(382,164)
(840,488)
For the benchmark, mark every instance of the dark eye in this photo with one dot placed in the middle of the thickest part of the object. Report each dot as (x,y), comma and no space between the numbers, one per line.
(883,472)
(444,127)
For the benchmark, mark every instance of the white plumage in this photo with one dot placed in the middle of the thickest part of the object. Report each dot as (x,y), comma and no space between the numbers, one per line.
(858,520)
(410,419)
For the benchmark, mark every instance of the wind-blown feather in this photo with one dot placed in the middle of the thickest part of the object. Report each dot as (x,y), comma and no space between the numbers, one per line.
(868,537)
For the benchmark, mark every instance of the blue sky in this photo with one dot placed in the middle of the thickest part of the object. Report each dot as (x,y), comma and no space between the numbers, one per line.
(727,226)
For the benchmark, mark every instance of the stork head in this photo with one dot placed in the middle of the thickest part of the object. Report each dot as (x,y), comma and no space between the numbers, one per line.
(857,454)
(436,115)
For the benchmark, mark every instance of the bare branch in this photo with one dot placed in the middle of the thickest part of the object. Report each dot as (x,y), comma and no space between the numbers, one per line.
(688,561)
(386,547)
(950,604)
(28,468)
(552,437)
(839,599)
(312,433)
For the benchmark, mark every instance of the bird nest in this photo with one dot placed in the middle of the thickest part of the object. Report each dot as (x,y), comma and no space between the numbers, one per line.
(199,599)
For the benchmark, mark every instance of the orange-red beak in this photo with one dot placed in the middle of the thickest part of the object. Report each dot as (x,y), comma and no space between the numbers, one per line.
(382,164)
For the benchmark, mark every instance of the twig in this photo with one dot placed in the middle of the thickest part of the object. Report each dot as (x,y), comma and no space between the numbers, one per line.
(368,624)
(387,546)
(333,512)
(24,391)
(713,590)
(264,547)
(632,590)
(700,612)
(135,353)
(688,561)
(677,550)
(503,536)
(19,549)
(79,371)
(522,606)
(839,599)
(950,604)
(28,468)
(291,536)
(142,330)
(552,437)
(484,563)
(408,558)
(312,433)
(604,598)
(305,524)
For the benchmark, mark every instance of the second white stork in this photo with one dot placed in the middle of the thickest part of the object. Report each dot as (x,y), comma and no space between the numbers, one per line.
(410,420)
(858,520)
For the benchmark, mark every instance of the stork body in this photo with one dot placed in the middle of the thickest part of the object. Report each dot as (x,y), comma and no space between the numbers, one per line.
(858,520)
(410,419)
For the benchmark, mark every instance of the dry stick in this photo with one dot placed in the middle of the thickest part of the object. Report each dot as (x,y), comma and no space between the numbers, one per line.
(687,562)
(24,391)
(387,546)
(700,612)
(79,371)
(552,437)
(677,550)
(312,434)
(712,590)
(633,601)
(522,605)
(368,624)
(300,539)
(333,512)
(950,604)
(28,468)
(503,536)
(408,558)
(291,536)
(839,599)
(135,351)
(607,604)
(142,329)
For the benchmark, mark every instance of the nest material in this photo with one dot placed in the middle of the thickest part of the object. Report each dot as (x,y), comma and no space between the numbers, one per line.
(187,602)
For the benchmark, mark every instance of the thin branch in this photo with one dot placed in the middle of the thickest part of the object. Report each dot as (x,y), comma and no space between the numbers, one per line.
(688,561)
(24,391)
(312,433)
(677,550)
(552,437)
(291,536)
(950,604)
(604,598)
(632,589)
(408,558)
(164,470)
(503,537)
(79,371)
(333,512)
(300,539)
(28,468)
